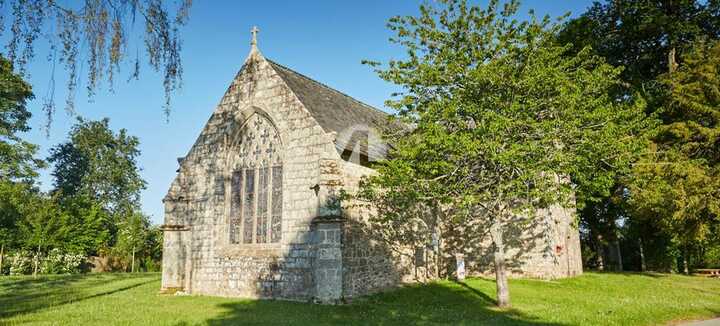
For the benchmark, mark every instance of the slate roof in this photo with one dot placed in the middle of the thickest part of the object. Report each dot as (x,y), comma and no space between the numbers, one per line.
(337,112)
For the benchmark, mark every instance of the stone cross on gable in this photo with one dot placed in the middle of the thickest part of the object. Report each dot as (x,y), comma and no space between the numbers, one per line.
(254,31)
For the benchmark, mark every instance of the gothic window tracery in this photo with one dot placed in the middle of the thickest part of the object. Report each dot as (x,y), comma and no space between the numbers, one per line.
(256,184)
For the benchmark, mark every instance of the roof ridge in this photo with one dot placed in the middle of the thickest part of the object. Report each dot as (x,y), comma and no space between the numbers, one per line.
(328,87)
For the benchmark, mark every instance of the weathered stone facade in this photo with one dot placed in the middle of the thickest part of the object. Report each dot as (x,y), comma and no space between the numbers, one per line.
(253,210)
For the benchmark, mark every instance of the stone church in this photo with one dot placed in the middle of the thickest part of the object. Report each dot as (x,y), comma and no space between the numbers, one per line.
(248,214)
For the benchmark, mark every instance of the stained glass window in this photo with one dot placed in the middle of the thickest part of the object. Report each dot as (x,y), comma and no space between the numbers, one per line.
(256,189)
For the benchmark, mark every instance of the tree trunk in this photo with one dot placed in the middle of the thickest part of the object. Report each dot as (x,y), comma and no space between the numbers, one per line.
(619,255)
(436,251)
(437,263)
(600,255)
(672,63)
(643,267)
(37,261)
(2,253)
(132,264)
(501,282)
(686,270)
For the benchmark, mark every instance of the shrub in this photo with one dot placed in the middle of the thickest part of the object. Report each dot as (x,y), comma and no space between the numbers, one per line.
(21,263)
(711,258)
(73,263)
(151,265)
(52,263)
(58,262)
(5,268)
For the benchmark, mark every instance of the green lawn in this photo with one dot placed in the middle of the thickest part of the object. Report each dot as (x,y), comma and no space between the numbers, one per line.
(592,299)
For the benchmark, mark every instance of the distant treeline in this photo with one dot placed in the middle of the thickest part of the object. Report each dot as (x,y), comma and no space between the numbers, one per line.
(664,214)
(93,208)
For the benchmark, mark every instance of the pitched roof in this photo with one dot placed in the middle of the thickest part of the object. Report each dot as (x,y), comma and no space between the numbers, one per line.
(335,111)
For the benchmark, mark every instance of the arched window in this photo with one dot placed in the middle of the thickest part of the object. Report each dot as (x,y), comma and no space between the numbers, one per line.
(256,184)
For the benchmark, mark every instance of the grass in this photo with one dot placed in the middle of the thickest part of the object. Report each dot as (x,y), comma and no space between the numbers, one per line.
(592,299)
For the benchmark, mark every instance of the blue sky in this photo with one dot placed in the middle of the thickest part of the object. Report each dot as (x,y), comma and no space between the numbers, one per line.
(325,40)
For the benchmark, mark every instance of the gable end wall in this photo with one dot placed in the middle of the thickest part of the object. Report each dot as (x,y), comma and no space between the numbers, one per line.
(201,260)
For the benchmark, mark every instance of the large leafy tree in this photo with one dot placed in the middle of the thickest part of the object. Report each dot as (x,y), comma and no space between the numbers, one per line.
(12,199)
(643,36)
(646,38)
(39,226)
(599,221)
(18,165)
(17,161)
(100,166)
(84,226)
(677,186)
(501,116)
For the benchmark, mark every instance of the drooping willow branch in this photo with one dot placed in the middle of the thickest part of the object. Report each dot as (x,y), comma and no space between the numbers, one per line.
(93,35)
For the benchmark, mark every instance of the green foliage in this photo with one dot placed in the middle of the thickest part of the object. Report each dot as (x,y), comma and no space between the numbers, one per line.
(671,191)
(152,250)
(639,35)
(133,231)
(98,187)
(500,115)
(17,163)
(85,226)
(135,239)
(677,185)
(35,220)
(12,199)
(692,105)
(711,257)
(17,160)
(100,165)
(40,224)
(98,184)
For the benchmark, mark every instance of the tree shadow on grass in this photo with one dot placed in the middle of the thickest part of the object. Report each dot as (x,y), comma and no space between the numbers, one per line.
(422,304)
(629,273)
(27,295)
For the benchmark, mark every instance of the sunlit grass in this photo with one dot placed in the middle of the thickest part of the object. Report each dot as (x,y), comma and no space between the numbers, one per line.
(592,299)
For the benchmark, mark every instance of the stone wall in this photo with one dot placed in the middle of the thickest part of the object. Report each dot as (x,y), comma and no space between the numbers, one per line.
(211,264)
(545,247)
(368,265)
(328,259)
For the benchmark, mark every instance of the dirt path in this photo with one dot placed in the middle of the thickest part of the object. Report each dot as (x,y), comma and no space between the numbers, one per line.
(710,322)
